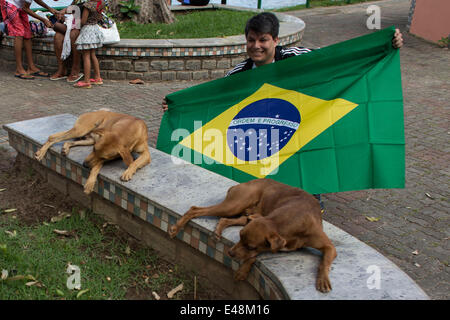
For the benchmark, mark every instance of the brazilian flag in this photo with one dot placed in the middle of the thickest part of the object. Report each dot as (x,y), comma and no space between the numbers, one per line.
(326,121)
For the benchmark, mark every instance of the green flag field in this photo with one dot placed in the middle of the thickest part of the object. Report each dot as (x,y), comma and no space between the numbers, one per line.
(326,121)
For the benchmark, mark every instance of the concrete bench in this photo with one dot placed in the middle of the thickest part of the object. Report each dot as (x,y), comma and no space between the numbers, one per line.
(162,192)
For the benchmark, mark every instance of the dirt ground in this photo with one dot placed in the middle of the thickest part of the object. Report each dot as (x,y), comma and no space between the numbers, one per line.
(36,201)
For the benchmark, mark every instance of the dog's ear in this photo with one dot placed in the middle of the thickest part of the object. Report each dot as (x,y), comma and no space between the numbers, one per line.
(126,156)
(276,242)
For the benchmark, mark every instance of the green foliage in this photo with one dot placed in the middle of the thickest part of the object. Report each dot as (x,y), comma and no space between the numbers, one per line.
(129,9)
(444,42)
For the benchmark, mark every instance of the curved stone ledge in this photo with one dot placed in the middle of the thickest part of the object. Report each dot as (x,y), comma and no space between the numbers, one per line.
(162,192)
(163,59)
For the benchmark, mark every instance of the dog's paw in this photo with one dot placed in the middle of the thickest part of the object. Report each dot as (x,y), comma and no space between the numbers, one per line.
(89,187)
(65,150)
(173,230)
(127,175)
(241,275)
(217,235)
(39,155)
(323,284)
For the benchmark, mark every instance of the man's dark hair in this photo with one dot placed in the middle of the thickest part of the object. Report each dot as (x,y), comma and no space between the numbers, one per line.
(265,22)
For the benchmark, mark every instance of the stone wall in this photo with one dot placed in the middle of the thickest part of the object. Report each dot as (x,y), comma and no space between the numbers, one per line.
(127,60)
(116,65)
(167,69)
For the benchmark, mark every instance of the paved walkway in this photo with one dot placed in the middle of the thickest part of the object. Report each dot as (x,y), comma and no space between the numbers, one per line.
(413,226)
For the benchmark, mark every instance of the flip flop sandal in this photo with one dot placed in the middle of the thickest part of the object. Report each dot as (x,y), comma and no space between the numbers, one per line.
(98,81)
(40,74)
(24,76)
(137,81)
(83,85)
(58,78)
(80,75)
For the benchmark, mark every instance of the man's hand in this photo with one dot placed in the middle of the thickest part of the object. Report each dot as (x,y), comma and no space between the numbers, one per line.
(165,107)
(397,41)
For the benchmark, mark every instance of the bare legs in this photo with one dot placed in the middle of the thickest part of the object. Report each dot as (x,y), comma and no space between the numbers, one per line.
(58,44)
(76,54)
(19,44)
(87,65)
(95,64)
(90,60)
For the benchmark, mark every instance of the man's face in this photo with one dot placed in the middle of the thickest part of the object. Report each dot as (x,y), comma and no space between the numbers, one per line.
(261,47)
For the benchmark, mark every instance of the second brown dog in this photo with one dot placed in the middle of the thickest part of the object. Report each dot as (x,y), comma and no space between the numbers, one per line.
(276,217)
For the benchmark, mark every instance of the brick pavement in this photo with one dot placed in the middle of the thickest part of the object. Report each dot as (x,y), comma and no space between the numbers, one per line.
(414,218)
(27,99)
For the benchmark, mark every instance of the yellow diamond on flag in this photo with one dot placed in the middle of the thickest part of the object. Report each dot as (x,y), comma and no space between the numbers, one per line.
(262,131)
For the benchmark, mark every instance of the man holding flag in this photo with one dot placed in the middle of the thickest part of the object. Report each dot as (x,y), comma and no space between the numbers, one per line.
(261,34)
(328,121)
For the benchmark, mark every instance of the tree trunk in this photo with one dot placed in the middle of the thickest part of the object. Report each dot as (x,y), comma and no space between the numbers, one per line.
(151,11)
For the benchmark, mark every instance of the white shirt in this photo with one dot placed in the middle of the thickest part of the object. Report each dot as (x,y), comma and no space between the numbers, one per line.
(19,3)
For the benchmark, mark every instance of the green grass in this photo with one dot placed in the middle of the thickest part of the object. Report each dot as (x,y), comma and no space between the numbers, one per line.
(108,266)
(205,23)
(197,24)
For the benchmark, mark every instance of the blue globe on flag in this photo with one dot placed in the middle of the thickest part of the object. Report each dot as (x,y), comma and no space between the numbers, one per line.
(262,129)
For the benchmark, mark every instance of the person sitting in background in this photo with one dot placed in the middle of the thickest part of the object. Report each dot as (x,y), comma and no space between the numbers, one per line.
(58,41)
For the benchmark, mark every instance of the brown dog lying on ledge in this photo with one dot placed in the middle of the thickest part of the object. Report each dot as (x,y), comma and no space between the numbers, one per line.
(276,217)
(113,135)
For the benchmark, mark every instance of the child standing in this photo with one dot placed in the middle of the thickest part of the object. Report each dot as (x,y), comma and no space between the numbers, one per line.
(90,38)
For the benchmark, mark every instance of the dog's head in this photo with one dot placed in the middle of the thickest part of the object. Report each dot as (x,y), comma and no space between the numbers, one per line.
(257,236)
(107,146)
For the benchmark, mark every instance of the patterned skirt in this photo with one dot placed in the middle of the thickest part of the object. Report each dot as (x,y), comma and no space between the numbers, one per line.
(90,37)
